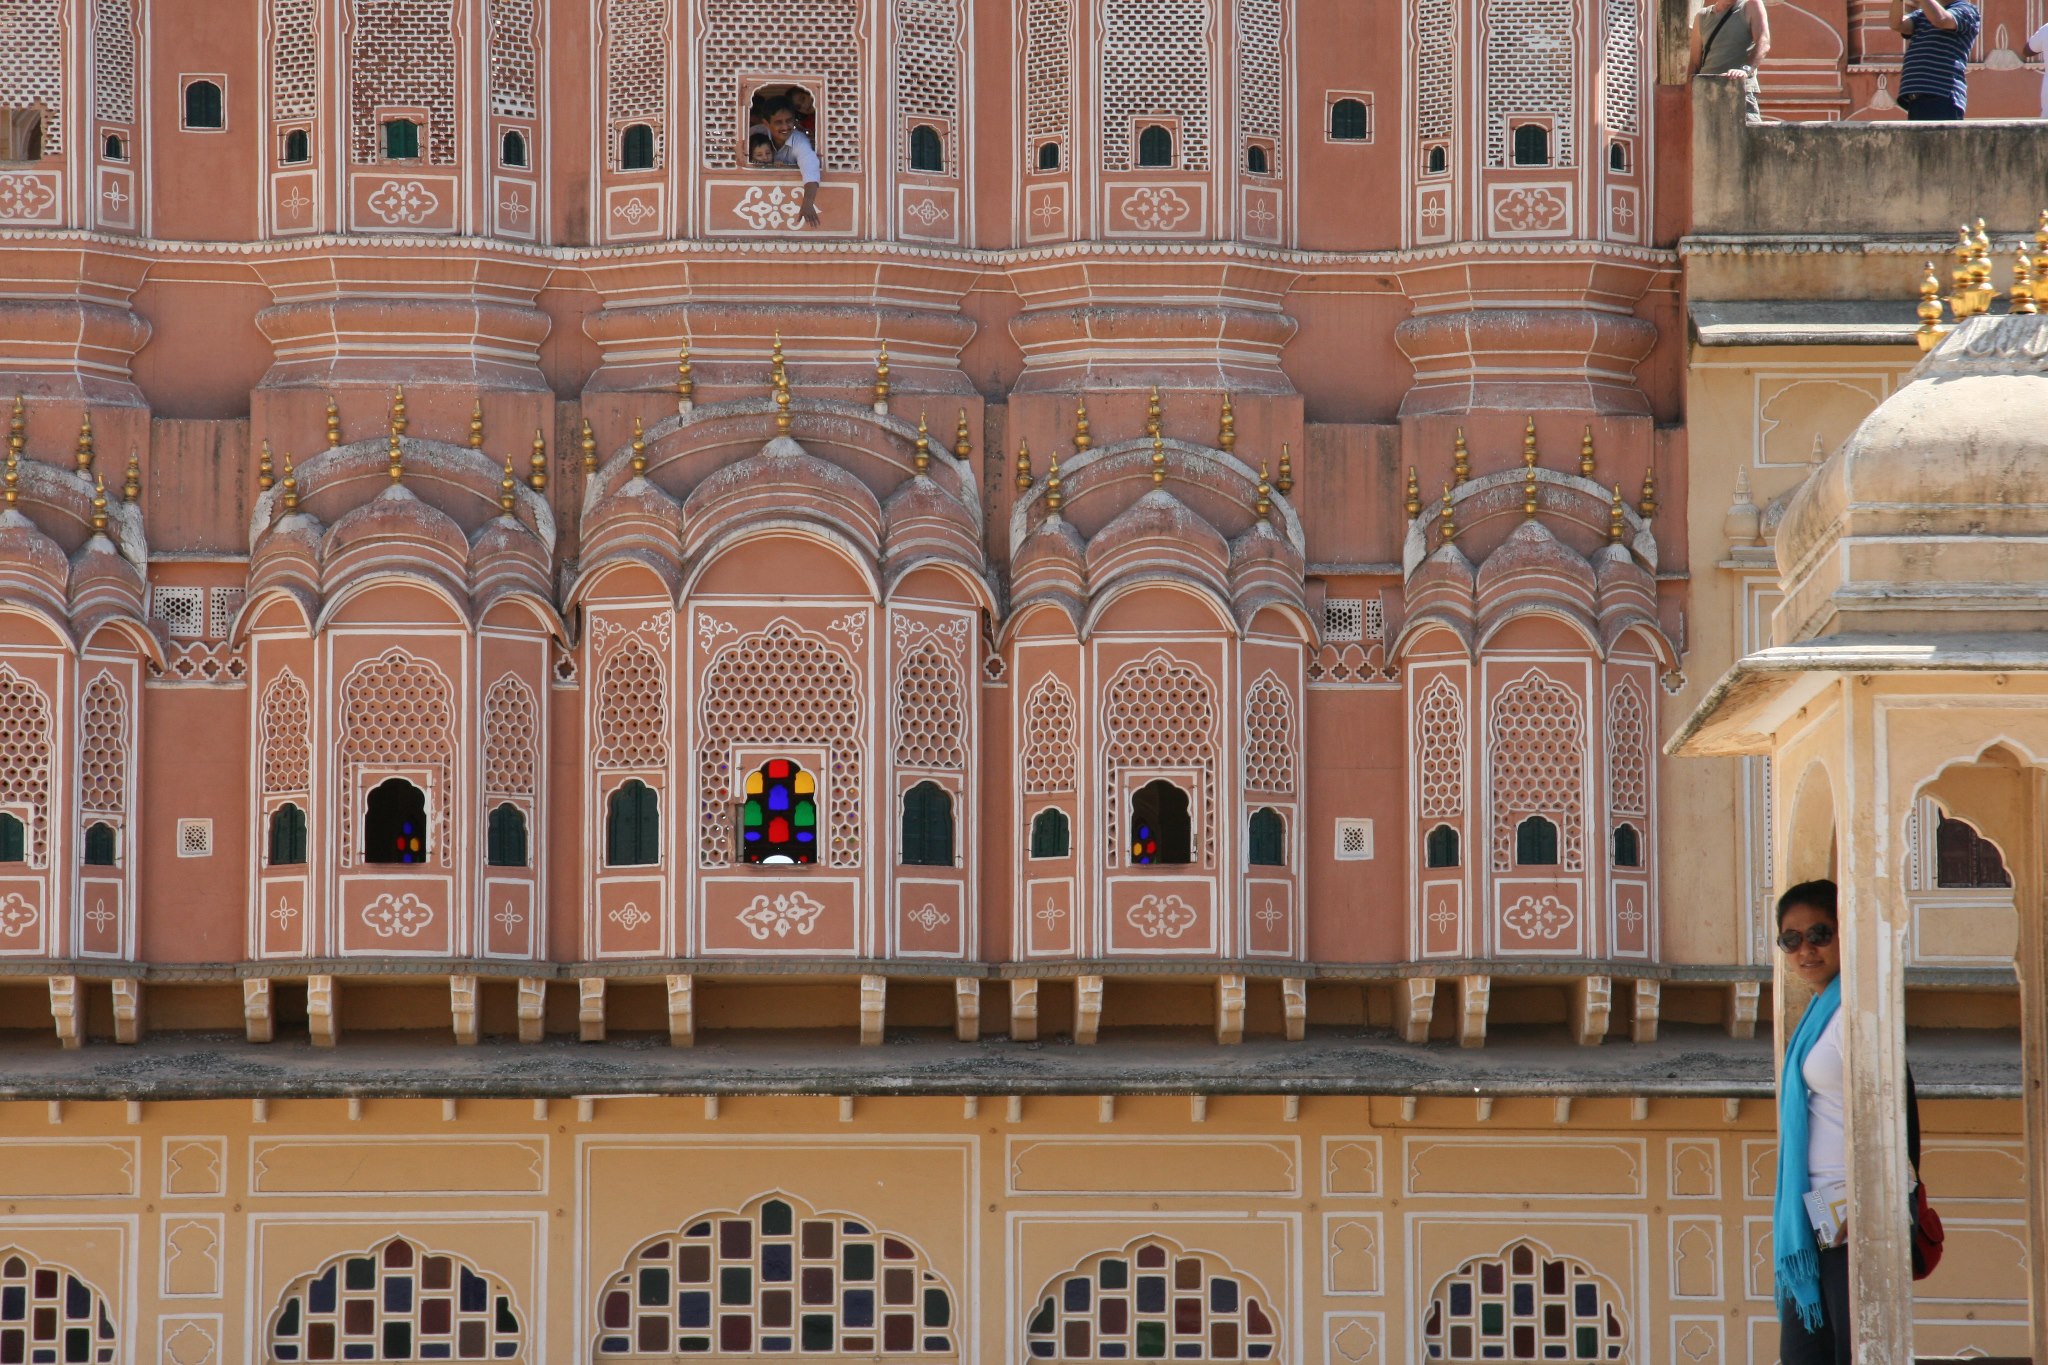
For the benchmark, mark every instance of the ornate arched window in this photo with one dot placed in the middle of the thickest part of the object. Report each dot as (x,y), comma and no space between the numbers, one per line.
(25,751)
(927,826)
(1536,751)
(397,711)
(287,842)
(1158,713)
(1440,847)
(1964,858)
(1160,829)
(632,826)
(779,818)
(51,1316)
(102,845)
(1523,1305)
(13,839)
(1155,146)
(1268,838)
(1628,846)
(505,840)
(1536,843)
(1050,833)
(636,148)
(1152,1301)
(396,1301)
(298,147)
(776,1279)
(395,823)
(1049,730)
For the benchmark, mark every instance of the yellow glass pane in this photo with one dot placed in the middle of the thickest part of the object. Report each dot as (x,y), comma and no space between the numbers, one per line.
(753,784)
(805,783)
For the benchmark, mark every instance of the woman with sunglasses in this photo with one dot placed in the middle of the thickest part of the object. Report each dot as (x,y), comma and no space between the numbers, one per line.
(1812,1264)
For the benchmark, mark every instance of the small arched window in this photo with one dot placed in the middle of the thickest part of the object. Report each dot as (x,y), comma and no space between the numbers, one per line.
(1155,146)
(779,818)
(395,823)
(204,107)
(1532,145)
(1436,160)
(636,147)
(1964,858)
(13,839)
(927,153)
(505,839)
(1440,847)
(1257,161)
(1268,838)
(1048,156)
(1536,843)
(298,147)
(927,826)
(632,826)
(1049,833)
(114,148)
(1160,829)
(1628,846)
(287,842)
(1617,155)
(99,844)
(512,149)
(401,140)
(1348,121)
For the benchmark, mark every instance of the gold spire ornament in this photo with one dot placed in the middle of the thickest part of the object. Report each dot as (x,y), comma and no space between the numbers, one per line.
(12,479)
(1445,524)
(1647,505)
(537,464)
(1586,453)
(963,444)
(587,441)
(1529,443)
(922,456)
(1082,440)
(1152,413)
(1285,483)
(476,426)
(99,502)
(508,489)
(1053,497)
(686,383)
(333,423)
(1264,504)
(1981,292)
(779,379)
(264,477)
(1930,331)
(1226,428)
(882,381)
(2023,285)
(1461,458)
(1414,502)
(1529,469)
(131,482)
(1158,460)
(639,448)
(85,451)
(17,427)
(291,485)
(1023,467)
(1614,531)
(395,461)
(398,418)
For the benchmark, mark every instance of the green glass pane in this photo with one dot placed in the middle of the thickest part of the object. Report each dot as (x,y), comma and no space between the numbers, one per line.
(1490,1319)
(751,813)
(775,1219)
(1043,1320)
(817,1332)
(361,1273)
(858,1261)
(1588,1343)
(1115,1274)
(736,1285)
(506,1322)
(1151,1340)
(806,815)
(938,1308)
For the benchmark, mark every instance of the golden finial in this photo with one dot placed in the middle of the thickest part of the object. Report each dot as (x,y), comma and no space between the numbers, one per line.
(1023,466)
(1445,524)
(588,442)
(17,427)
(882,379)
(1414,502)
(508,489)
(639,448)
(779,380)
(1226,428)
(2041,260)
(264,477)
(963,445)
(1930,331)
(291,485)
(686,383)
(398,421)
(395,460)
(1528,490)
(1264,504)
(1053,498)
(537,463)
(1152,413)
(1586,452)
(1981,292)
(476,426)
(1648,504)
(333,423)
(85,451)
(1082,440)
(13,476)
(1529,444)
(1614,531)
(2023,285)
(1158,460)
(1959,276)
(131,483)
(1461,459)
(1285,483)
(922,457)
(99,502)
(2041,235)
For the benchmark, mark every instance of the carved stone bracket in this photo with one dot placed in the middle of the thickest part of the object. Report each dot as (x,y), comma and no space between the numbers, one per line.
(1419,1001)
(1087,1008)
(590,1009)
(1473,995)
(1649,1007)
(1024,1009)
(321,1012)
(682,1010)
(258,1025)
(1230,993)
(1592,1002)
(967,1008)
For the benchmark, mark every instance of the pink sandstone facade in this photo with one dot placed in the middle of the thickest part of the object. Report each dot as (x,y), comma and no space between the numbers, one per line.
(1203,544)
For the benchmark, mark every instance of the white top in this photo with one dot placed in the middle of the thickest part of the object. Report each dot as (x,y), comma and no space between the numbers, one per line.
(2038,45)
(799,152)
(1826,1162)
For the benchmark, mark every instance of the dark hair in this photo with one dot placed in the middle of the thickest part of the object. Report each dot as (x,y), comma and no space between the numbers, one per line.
(1814,895)
(759,140)
(776,106)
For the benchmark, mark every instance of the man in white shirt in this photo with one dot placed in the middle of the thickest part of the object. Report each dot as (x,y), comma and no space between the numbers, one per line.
(793,148)
(2038,46)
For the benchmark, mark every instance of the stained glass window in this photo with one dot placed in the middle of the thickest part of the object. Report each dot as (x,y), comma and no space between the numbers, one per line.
(1152,1301)
(13,839)
(632,826)
(1523,1305)
(1536,843)
(1268,838)
(776,1279)
(1049,833)
(100,844)
(395,823)
(396,1301)
(1440,848)
(927,826)
(1160,830)
(779,819)
(287,836)
(49,1316)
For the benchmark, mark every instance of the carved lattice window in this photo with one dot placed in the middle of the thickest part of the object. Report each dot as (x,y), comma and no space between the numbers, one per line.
(397,710)
(1964,858)
(402,55)
(1258,73)
(782,686)
(1049,748)
(931,709)
(927,55)
(294,60)
(512,63)
(636,45)
(1530,70)
(287,757)
(396,1301)
(32,65)
(1048,76)
(1523,1305)
(1621,66)
(1161,714)
(1440,750)
(796,36)
(113,60)
(776,1279)
(25,757)
(51,1316)
(1628,749)
(1538,743)
(1155,60)
(103,748)
(1436,36)
(1153,1301)
(632,708)
(1269,743)
(511,730)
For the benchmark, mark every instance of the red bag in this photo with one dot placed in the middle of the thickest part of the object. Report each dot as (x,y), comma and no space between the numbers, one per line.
(1927,1234)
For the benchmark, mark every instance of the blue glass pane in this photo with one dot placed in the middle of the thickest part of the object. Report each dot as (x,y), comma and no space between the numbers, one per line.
(505,1349)
(857,1308)
(614,1346)
(775,1343)
(1525,1300)
(441,1350)
(1075,1297)
(1188,1350)
(398,1294)
(1461,1300)
(365,1351)
(775,1264)
(1042,1349)
(1586,1301)
(1222,1295)
(475,1294)
(693,1309)
(320,1297)
(778,798)
(1112,1350)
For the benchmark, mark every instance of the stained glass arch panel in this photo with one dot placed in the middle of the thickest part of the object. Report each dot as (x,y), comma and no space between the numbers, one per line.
(1524,1305)
(49,1314)
(1153,1300)
(396,1301)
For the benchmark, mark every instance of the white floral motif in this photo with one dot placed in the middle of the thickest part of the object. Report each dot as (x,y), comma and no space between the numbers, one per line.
(24,196)
(403,201)
(1162,916)
(635,211)
(99,916)
(1046,210)
(928,917)
(397,916)
(709,628)
(794,913)
(762,209)
(17,916)
(1443,917)
(284,914)
(853,626)
(1270,916)
(926,211)
(1529,209)
(1051,915)
(1532,918)
(907,630)
(509,919)
(296,202)
(629,917)
(1631,916)
(1153,209)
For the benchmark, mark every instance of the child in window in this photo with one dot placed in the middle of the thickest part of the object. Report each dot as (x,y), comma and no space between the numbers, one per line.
(760,149)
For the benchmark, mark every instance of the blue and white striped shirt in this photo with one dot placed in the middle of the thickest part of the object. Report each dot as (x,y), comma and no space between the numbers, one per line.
(1937,58)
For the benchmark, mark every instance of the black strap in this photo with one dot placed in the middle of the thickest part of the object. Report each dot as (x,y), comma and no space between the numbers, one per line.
(1912,1122)
(1715,32)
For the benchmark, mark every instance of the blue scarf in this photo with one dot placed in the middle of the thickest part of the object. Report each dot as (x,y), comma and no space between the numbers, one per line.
(1798,1268)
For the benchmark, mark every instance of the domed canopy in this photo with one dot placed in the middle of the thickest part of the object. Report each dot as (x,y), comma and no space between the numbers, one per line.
(1933,516)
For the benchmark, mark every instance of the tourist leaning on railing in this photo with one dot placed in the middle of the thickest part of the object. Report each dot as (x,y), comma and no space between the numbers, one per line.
(1731,38)
(1935,82)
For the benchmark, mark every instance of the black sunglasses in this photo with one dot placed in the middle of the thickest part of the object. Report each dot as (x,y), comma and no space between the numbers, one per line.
(1819,935)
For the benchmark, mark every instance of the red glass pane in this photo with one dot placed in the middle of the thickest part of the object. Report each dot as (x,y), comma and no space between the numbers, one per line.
(778,830)
(1255,1320)
(778,767)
